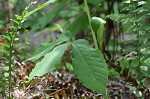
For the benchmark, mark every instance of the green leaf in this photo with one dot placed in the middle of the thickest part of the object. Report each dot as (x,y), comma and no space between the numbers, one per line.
(144,27)
(146,45)
(145,36)
(46,48)
(50,61)
(145,16)
(90,66)
(89,19)
(80,23)
(38,8)
(146,57)
(116,17)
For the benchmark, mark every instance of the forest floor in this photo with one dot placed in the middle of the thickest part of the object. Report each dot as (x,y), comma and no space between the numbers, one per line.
(62,85)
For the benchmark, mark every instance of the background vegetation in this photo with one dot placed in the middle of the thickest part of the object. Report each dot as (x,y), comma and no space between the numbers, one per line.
(52,30)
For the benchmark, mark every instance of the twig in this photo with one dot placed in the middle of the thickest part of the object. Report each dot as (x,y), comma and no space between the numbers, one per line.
(56,91)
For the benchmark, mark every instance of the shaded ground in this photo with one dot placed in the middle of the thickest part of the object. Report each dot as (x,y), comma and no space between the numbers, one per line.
(62,86)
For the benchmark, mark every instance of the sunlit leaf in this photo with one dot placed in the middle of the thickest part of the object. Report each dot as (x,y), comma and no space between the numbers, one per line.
(50,61)
(39,7)
(46,48)
(90,66)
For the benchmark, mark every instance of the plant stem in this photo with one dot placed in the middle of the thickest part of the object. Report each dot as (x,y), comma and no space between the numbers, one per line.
(138,44)
(89,19)
(11,49)
(10,64)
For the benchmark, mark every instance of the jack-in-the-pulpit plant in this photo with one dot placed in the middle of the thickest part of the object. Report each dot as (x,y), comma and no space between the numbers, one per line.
(88,63)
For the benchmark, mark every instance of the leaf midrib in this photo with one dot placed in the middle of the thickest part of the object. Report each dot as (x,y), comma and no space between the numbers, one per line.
(86,63)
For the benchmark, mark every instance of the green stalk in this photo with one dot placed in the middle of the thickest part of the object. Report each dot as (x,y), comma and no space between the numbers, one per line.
(89,19)
(10,68)
(138,45)
(12,36)
(93,33)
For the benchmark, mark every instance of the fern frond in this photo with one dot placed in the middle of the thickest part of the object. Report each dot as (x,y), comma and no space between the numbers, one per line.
(116,17)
